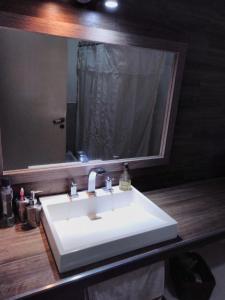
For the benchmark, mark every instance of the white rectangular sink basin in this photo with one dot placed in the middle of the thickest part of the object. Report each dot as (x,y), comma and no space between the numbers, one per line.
(87,229)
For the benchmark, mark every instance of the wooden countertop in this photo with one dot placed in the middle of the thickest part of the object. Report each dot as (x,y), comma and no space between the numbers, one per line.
(27,265)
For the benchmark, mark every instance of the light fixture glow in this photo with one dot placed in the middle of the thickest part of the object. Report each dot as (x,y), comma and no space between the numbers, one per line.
(83,1)
(112,4)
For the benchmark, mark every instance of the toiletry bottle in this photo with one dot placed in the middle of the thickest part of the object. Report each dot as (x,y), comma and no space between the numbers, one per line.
(31,214)
(7,218)
(34,210)
(21,205)
(125,181)
(38,208)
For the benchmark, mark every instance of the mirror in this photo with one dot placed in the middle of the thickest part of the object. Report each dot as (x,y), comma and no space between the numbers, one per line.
(72,101)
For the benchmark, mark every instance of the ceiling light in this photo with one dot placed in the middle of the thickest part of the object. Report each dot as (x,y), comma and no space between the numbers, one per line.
(83,1)
(112,4)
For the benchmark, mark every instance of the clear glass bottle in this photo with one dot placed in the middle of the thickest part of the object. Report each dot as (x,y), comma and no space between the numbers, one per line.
(7,218)
(22,202)
(125,180)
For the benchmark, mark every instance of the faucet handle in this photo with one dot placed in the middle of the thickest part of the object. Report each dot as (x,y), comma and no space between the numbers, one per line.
(73,189)
(100,171)
(108,184)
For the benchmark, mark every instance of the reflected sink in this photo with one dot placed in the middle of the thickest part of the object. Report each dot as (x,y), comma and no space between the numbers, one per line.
(87,229)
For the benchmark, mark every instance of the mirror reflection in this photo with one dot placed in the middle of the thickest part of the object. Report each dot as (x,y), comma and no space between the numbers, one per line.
(66,100)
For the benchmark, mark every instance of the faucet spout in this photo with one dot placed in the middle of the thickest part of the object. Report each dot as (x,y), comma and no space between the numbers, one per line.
(92,178)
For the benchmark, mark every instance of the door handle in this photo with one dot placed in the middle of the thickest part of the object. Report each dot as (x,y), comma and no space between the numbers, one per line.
(58,121)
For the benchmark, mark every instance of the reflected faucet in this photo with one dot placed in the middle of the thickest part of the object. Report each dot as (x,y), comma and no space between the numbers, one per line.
(92,178)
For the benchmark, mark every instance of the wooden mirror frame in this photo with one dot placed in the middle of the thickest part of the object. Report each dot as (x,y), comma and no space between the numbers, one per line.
(71,30)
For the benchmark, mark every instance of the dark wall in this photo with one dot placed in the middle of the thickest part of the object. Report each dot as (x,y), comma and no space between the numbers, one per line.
(198,150)
(199,142)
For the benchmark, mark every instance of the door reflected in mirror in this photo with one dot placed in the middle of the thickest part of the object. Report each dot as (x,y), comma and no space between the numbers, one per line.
(72,101)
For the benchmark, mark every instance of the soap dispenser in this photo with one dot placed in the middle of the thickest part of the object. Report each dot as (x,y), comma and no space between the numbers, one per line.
(125,180)
(31,214)
(38,208)
(34,210)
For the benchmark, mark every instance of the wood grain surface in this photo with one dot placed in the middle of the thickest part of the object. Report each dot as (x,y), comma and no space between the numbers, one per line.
(1,157)
(27,265)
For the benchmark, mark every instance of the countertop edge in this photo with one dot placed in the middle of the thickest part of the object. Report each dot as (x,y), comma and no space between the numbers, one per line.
(127,264)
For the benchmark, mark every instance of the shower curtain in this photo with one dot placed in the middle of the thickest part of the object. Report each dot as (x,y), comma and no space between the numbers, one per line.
(117,93)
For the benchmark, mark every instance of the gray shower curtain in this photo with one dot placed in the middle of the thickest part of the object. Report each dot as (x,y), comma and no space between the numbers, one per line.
(117,93)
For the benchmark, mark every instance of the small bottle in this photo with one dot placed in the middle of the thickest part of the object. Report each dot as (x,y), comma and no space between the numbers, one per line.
(31,214)
(125,181)
(34,211)
(38,208)
(7,218)
(21,205)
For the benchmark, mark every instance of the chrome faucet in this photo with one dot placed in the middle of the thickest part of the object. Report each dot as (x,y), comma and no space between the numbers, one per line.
(92,178)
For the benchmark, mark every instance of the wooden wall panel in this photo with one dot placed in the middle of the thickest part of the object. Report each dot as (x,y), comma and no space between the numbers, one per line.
(1,160)
(198,149)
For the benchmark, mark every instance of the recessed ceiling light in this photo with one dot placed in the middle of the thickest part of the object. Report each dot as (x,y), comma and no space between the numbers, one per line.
(83,1)
(112,4)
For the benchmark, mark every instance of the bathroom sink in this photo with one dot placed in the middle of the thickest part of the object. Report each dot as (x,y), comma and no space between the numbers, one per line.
(88,229)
